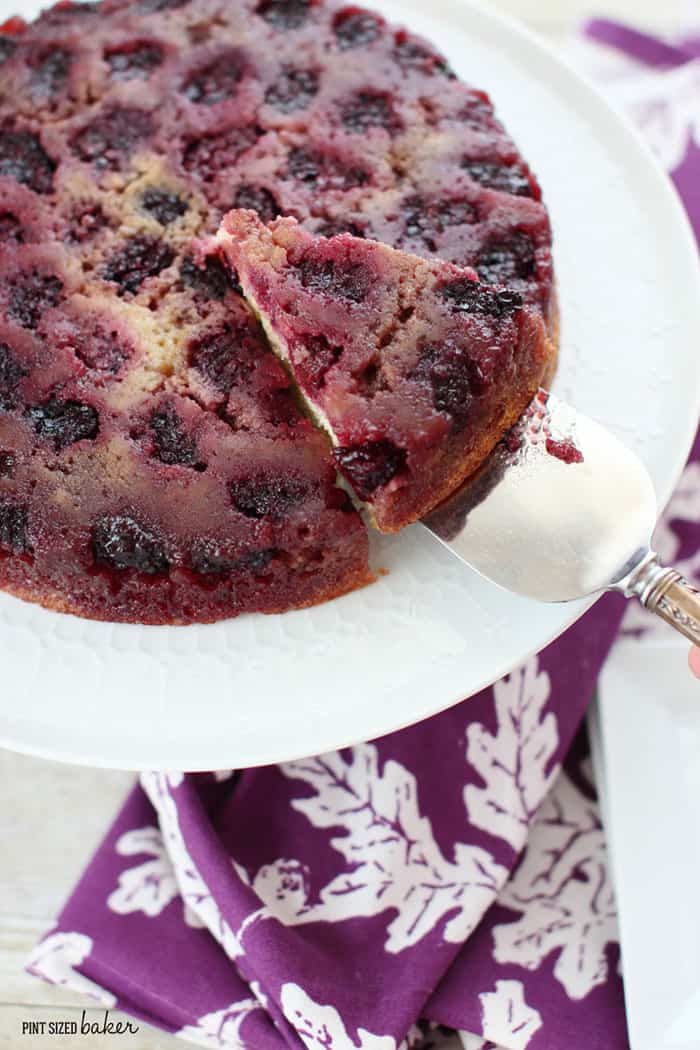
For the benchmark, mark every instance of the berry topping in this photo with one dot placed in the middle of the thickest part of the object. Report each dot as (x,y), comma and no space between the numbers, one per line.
(355,28)
(335,227)
(312,368)
(123,543)
(64,422)
(210,281)
(266,497)
(501,262)
(13,528)
(208,559)
(224,357)
(477,112)
(22,157)
(324,171)
(164,206)
(216,81)
(284,14)
(294,89)
(258,199)
(10,229)
(133,61)
(50,71)
(208,156)
(11,372)
(173,445)
(498,177)
(412,54)
(150,6)
(7,48)
(341,280)
(112,137)
(100,348)
(139,258)
(472,297)
(32,294)
(369,109)
(455,380)
(370,465)
(7,464)
(428,219)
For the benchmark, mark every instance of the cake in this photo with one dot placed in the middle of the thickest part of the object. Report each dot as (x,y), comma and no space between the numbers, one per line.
(413,367)
(155,464)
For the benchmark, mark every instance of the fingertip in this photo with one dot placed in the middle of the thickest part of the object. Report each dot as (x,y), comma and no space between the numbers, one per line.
(694,660)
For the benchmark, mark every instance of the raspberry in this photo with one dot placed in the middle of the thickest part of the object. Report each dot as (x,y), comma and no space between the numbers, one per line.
(22,157)
(139,258)
(13,528)
(64,422)
(224,357)
(350,281)
(323,171)
(501,262)
(31,294)
(10,229)
(258,199)
(427,220)
(455,380)
(121,542)
(355,28)
(7,464)
(133,61)
(312,369)
(112,137)
(50,72)
(369,109)
(210,281)
(208,559)
(207,156)
(472,297)
(266,497)
(216,81)
(11,373)
(7,48)
(295,89)
(164,206)
(370,465)
(284,14)
(498,177)
(172,443)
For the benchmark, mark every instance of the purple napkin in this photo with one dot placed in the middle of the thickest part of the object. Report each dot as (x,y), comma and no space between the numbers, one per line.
(450,874)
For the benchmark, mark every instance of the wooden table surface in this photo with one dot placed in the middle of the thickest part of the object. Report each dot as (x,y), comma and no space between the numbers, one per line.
(52,816)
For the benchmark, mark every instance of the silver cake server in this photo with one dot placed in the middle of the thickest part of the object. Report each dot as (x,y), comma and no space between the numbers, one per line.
(560,510)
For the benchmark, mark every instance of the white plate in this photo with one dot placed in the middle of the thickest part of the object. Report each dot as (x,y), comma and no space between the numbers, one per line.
(263,689)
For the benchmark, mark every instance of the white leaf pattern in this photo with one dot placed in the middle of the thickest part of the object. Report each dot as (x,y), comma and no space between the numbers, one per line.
(562,890)
(221,1029)
(513,763)
(321,1027)
(193,889)
(505,1016)
(393,860)
(149,887)
(54,959)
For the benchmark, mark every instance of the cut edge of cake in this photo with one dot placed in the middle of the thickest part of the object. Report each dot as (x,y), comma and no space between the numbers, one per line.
(539,339)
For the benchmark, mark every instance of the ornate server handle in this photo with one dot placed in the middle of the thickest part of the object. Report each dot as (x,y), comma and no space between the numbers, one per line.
(666,593)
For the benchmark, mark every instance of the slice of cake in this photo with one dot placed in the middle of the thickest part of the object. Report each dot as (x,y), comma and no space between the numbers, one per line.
(413,367)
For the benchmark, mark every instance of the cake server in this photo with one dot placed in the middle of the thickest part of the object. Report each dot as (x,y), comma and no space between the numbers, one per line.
(561,510)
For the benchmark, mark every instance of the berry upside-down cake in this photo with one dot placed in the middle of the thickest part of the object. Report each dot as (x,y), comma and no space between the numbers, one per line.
(155,462)
(414,367)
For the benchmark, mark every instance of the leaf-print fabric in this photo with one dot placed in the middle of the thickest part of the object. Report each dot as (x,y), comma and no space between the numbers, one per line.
(446,885)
